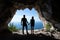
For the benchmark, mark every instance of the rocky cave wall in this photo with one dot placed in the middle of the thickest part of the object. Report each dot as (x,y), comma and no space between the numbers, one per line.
(48,10)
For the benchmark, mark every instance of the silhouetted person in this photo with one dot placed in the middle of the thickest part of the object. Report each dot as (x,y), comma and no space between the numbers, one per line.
(24,24)
(32,23)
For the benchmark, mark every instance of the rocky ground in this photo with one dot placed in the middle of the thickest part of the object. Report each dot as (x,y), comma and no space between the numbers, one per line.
(8,35)
(36,32)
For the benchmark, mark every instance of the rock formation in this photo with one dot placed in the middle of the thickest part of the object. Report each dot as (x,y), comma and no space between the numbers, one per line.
(48,9)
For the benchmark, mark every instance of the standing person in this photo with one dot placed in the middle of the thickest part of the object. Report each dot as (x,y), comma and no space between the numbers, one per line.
(24,24)
(32,23)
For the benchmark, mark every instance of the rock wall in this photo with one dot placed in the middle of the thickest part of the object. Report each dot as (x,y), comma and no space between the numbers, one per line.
(48,9)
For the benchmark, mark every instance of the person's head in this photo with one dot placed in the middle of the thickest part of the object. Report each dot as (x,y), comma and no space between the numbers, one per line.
(32,17)
(23,16)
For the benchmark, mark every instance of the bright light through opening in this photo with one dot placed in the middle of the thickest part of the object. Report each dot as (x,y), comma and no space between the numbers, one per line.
(28,13)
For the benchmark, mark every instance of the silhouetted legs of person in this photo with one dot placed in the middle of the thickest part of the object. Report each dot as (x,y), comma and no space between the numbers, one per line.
(32,29)
(23,29)
(26,30)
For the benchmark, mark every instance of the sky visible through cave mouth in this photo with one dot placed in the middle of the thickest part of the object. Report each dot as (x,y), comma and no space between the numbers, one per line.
(28,13)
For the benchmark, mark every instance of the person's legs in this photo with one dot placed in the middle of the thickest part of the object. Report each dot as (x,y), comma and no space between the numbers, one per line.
(23,30)
(31,30)
(26,30)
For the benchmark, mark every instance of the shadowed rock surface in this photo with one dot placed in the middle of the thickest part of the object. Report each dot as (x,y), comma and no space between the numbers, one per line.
(7,35)
(48,9)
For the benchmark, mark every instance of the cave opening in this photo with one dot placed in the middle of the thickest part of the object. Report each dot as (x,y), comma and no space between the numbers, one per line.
(16,20)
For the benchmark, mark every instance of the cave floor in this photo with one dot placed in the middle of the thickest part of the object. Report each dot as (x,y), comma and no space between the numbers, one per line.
(6,35)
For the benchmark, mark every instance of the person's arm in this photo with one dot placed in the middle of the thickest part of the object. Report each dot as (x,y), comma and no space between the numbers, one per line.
(26,21)
(21,21)
(30,22)
(34,22)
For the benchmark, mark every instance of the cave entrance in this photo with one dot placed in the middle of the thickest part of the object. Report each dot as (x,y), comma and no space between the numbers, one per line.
(15,23)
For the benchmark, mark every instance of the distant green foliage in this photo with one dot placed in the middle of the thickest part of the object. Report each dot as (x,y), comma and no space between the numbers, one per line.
(48,26)
(12,27)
